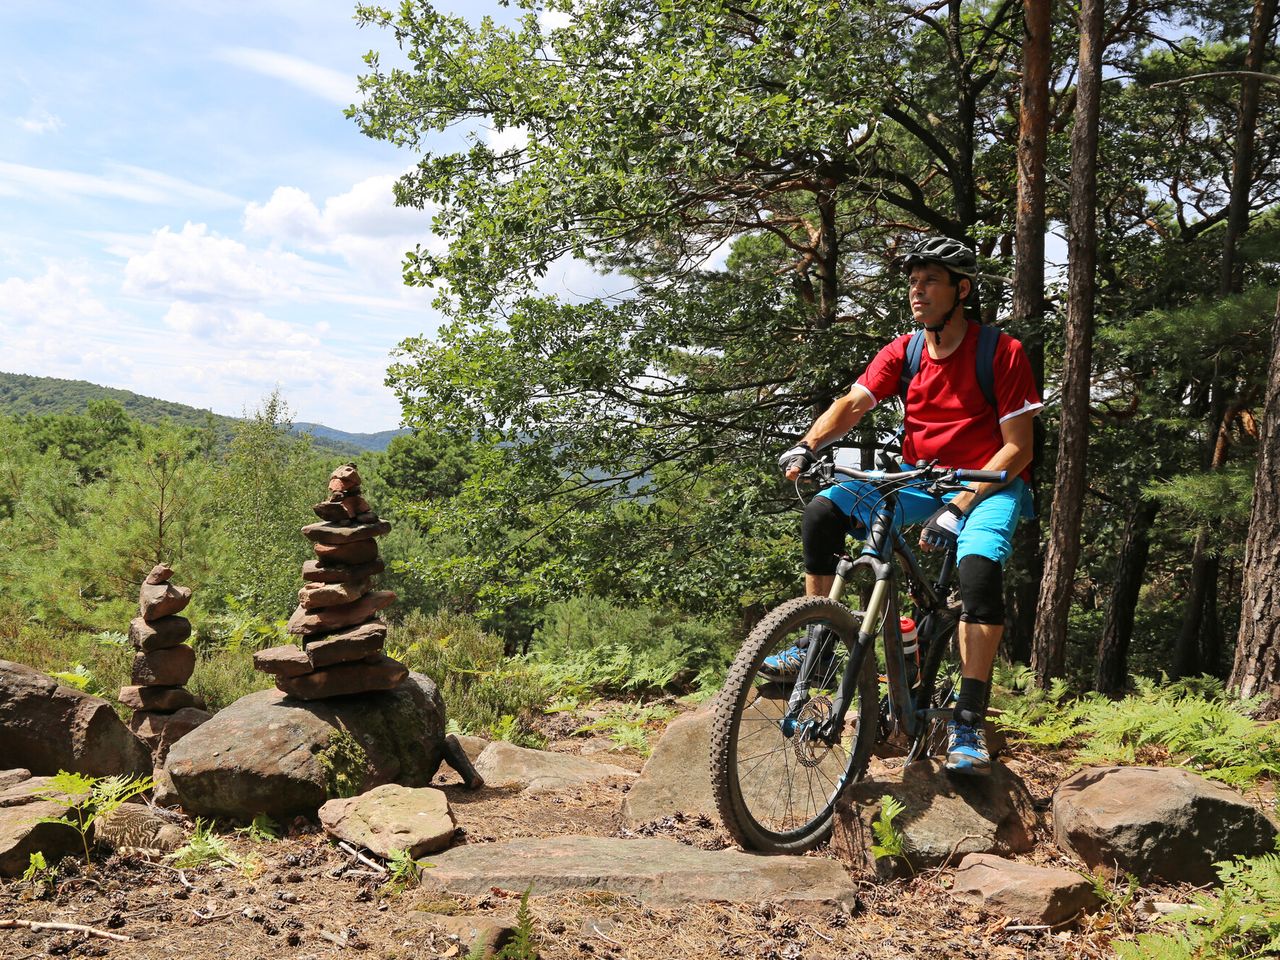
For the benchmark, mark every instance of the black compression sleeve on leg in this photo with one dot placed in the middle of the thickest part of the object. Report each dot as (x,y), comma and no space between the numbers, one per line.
(822,531)
(981,590)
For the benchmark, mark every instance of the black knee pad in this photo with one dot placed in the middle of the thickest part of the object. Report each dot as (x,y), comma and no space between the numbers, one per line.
(822,532)
(981,590)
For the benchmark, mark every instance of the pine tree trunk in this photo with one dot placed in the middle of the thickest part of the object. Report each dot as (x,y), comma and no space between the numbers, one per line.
(1260,26)
(1028,295)
(1063,550)
(1117,628)
(1257,662)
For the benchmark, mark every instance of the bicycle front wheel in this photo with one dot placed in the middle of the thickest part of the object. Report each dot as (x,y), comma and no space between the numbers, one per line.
(775,790)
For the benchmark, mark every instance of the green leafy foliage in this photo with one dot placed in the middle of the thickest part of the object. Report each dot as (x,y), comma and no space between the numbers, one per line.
(629,727)
(89,799)
(80,677)
(523,944)
(39,875)
(403,871)
(480,683)
(261,829)
(890,841)
(205,848)
(1241,921)
(589,645)
(1194,720)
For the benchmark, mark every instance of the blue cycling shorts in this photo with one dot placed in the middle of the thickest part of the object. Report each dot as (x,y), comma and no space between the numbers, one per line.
(987,531)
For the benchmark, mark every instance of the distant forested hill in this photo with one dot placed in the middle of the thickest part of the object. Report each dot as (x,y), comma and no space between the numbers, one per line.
(25,395)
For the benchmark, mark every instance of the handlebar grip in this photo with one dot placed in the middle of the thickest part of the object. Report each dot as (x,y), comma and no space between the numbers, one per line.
(983,476)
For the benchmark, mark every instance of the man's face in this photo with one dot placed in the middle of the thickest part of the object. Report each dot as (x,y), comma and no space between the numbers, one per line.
(931,293)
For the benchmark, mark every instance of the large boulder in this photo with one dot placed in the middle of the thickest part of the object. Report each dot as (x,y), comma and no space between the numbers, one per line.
(1023,891)
(22,833)
(945,816)
(504,764)
(390,818)
(1158,823)
(677,777)
(268,753)
(46,727)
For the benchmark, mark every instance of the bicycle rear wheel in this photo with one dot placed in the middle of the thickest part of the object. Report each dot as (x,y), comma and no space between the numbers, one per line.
(939,685)
(776,793)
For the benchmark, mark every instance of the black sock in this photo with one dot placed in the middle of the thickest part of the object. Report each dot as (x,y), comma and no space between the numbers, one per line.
(971,704)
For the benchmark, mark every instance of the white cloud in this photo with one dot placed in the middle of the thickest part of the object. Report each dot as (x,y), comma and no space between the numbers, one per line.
(323,82)
(196,265)
(56,300)
(39,120)
(362,226)
(366,210)
(554,19)
(508,138)
(235,326)
(123,182)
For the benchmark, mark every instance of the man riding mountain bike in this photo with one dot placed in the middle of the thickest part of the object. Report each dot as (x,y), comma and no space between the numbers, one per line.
(952,416)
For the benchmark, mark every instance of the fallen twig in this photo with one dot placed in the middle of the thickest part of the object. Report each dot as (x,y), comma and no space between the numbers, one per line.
(594,927)
(947,862)
(361,857)
(818,932)
(1026,928)
(333,938)
(199,919)
(71,927)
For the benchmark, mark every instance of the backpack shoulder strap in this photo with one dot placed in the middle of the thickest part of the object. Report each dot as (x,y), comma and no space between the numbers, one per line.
(911,362)
(988,337)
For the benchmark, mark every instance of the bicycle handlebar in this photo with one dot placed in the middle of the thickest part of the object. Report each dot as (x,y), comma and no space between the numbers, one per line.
(983,476)
(929,473)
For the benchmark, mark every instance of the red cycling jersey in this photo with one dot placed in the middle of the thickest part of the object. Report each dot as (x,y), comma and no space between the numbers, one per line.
(948,419)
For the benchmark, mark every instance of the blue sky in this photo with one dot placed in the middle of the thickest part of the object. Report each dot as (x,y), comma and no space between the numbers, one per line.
(185,212)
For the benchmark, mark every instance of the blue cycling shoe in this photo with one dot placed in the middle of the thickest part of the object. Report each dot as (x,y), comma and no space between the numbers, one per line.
(967,749)
(784,665)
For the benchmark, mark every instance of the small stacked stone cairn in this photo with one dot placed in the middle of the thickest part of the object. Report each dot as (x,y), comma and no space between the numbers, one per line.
(164,709)
(336,620)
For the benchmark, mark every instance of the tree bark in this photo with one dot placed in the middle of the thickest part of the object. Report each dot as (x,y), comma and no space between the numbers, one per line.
(1260,26)
(1027,313)
(1117,628)
(1256,671)
(1063,550)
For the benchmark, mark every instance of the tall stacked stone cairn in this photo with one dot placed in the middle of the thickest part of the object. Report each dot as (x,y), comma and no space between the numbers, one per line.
(340,635)
(164,709)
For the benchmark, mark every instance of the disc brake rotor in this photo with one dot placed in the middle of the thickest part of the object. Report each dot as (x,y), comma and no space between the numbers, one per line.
(815,713)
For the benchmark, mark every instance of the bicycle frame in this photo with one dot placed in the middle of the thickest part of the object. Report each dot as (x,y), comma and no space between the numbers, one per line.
(881,608)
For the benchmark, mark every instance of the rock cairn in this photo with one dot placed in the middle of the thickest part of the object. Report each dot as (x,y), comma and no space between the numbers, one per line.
(163,708)
(337,615)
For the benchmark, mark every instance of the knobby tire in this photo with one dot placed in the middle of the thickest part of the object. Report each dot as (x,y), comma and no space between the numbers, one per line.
(742,814)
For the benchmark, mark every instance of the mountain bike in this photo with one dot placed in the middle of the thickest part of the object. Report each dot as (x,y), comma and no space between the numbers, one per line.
(783,750)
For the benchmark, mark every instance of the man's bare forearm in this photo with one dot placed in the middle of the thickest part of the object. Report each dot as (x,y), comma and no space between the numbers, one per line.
(838,419)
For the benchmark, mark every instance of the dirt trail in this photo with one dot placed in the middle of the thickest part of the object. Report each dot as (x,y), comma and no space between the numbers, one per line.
(308,899)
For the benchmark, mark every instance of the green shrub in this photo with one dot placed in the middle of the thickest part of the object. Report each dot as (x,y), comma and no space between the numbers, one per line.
(223,676)
(1193,719)
(95,663)
(591,645)
(1242,920)
(481,685)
